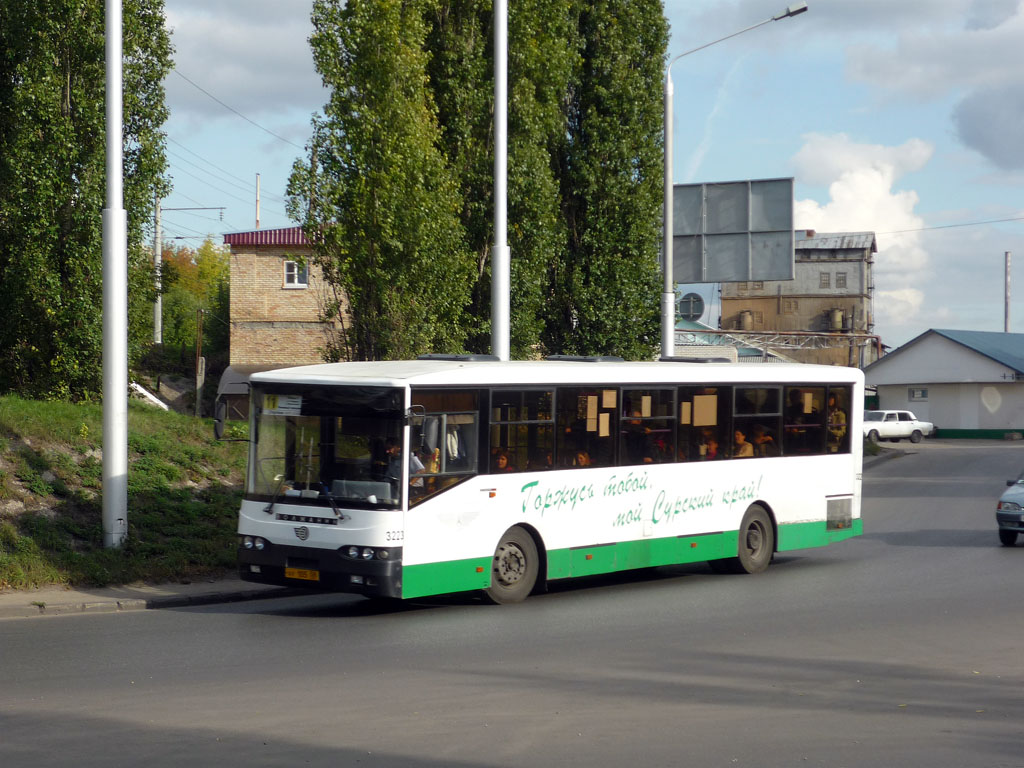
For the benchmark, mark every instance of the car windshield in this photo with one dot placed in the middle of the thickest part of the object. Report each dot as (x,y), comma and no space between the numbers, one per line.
(322,444)
(873,415)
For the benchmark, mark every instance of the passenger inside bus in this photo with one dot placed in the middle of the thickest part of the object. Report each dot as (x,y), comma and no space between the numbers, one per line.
(741,448)
(502,463)
(764,443)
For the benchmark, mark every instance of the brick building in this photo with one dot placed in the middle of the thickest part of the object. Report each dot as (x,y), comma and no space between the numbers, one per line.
(276,296)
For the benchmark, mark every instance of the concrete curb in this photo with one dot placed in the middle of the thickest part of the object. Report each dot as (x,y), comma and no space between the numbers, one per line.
(884,456)
(20,605)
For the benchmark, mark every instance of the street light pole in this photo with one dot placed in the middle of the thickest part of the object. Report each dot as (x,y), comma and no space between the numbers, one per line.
(668,296)
(115,297)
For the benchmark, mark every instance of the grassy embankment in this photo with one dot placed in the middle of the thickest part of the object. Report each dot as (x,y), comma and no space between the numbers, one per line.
(183,494)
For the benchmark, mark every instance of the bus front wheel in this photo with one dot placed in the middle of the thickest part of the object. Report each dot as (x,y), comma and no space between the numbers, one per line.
(756,545)
(514,568)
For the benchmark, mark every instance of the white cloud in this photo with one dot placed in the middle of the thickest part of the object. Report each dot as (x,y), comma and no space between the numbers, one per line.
(897,307)
(861,180)
(253,56)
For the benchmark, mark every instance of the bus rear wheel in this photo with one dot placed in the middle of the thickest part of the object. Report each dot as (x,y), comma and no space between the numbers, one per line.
(756,545)
(514,568)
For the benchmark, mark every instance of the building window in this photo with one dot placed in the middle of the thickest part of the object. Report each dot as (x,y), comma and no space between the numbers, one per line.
(824,280)
(295,275)
(917,394)
(757,285)
(758,317)
(789,306)
(840,279)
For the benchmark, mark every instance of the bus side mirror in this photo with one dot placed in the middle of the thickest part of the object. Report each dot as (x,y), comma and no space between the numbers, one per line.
(220,410)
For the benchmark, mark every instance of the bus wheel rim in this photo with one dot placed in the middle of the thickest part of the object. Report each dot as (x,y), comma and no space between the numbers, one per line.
(509,564)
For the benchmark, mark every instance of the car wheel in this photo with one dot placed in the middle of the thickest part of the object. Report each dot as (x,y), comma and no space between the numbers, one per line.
(514,568)
(1007,538)
(915,436)
(873,436)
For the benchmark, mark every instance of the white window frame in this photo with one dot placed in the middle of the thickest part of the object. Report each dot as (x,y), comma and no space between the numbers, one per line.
(296,277)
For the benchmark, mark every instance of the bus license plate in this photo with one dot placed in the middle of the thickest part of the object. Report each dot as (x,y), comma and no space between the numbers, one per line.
(301,573)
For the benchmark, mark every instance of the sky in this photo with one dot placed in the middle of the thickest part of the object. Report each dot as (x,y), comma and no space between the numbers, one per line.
(902,118)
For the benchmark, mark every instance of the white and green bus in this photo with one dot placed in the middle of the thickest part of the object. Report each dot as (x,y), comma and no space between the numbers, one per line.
(448,474)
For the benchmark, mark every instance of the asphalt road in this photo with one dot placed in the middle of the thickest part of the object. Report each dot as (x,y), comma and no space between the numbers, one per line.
(904,647)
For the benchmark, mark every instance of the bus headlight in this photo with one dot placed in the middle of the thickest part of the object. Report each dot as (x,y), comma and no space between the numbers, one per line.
(247,542)
(259,543)
(367,553)
(353,552)
(383,554)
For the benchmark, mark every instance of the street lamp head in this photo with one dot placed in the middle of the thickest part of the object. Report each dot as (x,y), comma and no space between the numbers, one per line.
(794,10)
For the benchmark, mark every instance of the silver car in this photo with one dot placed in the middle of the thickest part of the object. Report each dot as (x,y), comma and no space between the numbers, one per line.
(1010,512)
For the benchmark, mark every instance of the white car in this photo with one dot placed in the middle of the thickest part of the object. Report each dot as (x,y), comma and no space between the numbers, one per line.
(895,425)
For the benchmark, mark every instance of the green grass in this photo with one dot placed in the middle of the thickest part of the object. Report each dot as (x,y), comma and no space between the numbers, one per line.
(183,496)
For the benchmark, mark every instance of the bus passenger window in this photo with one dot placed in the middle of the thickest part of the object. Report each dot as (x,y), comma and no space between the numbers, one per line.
(522,432)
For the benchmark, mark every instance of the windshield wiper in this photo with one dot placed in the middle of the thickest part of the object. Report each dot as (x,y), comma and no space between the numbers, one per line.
(330,497)
(269,509)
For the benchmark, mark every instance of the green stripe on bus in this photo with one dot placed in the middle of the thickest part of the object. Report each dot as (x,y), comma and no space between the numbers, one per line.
(475,573)
(817,534)
(451,576)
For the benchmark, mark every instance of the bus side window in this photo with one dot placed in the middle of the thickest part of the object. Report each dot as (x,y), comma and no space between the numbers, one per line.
(522,430)
(705,417)
(587,426)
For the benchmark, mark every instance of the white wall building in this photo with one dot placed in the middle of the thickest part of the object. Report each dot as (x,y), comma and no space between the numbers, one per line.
(968,383)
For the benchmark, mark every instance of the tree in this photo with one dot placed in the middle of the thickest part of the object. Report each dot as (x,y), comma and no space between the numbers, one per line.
(584,164)
(195,280)
(606,290)
(52,186)
(376,197)
(541,61)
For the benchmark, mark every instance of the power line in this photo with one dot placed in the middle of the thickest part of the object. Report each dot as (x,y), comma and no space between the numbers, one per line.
(249,186)
(232,109)
(229,194)
(952,226)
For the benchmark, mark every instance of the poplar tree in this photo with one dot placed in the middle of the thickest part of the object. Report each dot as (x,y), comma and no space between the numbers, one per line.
(606,288)
(541,59)
(584,172)
(53,185)
(376,197)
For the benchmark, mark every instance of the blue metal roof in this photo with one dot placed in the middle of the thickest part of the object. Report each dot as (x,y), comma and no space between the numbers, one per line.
(1005,348)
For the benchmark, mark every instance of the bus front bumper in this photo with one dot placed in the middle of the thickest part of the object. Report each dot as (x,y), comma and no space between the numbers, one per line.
(322,569)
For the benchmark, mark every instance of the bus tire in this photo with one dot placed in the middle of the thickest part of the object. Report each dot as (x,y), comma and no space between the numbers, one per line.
(514,568)
(755,546)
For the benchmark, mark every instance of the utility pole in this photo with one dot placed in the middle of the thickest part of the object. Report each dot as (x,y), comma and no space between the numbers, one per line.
(158,307)
(1006,300)
(200,363)
(257,201)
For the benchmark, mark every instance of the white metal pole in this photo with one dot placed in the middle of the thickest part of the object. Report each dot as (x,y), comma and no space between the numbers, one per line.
(668,291)
(500,258)
(115,301)
(158,306)
(257,201)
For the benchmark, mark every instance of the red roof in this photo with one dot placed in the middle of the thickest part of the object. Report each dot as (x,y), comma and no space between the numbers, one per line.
(286,236)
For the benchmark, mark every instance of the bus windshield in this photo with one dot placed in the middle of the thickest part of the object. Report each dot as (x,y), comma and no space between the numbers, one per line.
(321,444)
